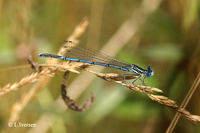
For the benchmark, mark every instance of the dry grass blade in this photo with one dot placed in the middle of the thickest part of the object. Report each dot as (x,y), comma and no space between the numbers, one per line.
(193,118)
(79,30)
(142,89)
(146,89)
(113,76)
(19,106)
(46,72)
(28,79)
(119,79)
(77,65)
(163,100)
(185,113)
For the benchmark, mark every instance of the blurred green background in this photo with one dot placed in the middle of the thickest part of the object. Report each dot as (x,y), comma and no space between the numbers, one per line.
(162,34)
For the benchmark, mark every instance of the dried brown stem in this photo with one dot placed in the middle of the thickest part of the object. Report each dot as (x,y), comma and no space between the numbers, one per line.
(34,65)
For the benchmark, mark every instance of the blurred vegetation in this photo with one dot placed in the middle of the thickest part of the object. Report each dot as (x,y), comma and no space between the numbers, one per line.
(168,40)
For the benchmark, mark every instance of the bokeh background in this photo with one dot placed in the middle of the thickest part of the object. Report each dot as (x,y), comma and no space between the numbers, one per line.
(164,34)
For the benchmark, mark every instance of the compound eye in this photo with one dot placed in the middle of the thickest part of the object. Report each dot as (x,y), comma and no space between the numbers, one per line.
(149,71)
(149,74)
(149,68)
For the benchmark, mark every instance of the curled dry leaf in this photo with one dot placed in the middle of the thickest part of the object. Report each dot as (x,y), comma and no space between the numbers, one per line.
(71,103)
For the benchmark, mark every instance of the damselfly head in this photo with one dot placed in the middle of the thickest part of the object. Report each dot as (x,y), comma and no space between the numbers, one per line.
(149,71)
